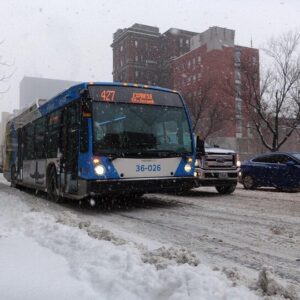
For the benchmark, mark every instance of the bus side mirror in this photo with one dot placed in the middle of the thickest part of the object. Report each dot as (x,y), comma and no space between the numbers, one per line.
(200,149)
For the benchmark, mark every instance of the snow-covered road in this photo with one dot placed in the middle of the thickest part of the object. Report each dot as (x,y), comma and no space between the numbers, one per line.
(151,249)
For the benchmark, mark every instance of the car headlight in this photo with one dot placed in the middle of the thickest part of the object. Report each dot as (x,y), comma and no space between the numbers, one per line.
(188,168)
(99,170)
(238,162)
(197,163)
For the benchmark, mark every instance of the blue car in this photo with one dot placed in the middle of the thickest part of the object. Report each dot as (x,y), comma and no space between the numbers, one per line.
(277,169)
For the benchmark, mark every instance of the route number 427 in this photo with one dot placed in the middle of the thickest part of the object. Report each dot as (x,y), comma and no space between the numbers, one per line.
(107,95)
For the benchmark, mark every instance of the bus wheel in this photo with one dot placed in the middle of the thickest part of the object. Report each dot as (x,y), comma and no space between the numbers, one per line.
(13,180)
(52,186)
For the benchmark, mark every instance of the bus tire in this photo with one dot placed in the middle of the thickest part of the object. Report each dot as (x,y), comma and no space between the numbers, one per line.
(52,186)
(14,177)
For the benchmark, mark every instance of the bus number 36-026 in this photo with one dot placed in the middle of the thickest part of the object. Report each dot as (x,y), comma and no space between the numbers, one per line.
(149,168)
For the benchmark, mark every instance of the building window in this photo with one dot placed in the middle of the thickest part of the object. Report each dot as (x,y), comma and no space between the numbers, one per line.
(136,58)
(199,59)
(194,77)
(239,129)
(187,42)
(189,64)
(136,74)
(238,105)
(199,76)
(249,131)
(121,48)
(238,91)
(237,76)
(180,42)
(136,43)
(194,61)
(237,56)
(121,63)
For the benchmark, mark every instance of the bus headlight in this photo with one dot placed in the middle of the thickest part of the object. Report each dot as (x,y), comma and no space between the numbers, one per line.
(188,168)
(99,170)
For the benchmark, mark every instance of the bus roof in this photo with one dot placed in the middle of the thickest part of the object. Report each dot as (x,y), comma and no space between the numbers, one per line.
(67,96)
(84,85)
(73,93)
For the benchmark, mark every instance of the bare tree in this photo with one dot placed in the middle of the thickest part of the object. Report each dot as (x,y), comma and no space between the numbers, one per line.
(207,112)
(4,75)
(272,99)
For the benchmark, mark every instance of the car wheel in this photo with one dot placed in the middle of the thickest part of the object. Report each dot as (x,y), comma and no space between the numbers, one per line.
(52,186)
(226,189)
(248,182)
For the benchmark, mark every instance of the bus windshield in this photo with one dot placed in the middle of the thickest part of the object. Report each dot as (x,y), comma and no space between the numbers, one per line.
(128,130)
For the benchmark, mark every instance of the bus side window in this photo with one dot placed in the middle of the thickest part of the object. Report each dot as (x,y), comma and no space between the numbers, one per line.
(53,138)
(84,135)
(73,125)
(72,147)
(40,129)
(28,142)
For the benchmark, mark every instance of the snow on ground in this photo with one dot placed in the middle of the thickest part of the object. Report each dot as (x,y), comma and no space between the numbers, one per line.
(44,257)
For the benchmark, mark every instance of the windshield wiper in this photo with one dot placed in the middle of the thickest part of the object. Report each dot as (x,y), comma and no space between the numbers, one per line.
(146,153)
(125,154)
(162,153)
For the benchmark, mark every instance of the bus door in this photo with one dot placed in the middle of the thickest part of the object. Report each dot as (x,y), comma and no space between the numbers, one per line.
(70,148)
(29,161)
(40,165)
(20,154)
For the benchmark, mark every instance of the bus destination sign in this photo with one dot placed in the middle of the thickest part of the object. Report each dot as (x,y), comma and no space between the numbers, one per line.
(120,94)
(142,98)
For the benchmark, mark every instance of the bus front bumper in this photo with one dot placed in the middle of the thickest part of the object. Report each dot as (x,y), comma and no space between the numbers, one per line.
(139,186)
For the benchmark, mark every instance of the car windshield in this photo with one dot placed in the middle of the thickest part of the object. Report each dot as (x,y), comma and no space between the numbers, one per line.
(296,155)
(135,130)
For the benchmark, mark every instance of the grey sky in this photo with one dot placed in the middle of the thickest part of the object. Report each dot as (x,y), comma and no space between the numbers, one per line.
(70,39)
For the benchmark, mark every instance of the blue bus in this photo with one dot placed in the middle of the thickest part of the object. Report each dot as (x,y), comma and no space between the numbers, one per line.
(99,139)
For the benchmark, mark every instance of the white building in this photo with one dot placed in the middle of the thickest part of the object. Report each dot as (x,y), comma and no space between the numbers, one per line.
(32,88)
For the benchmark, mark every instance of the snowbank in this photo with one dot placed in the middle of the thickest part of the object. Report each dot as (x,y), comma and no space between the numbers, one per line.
(42,257)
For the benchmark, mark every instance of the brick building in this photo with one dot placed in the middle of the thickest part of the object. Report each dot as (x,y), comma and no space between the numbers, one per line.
(141,53)
(190,62)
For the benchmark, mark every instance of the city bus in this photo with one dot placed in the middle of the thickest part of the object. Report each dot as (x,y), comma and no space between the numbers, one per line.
(102,139)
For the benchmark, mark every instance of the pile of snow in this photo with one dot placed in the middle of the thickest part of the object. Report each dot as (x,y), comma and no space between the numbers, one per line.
(163,257)
(42,257)
(270,287)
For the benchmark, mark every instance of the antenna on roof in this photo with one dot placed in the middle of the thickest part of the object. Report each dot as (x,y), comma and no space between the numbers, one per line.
(251,43)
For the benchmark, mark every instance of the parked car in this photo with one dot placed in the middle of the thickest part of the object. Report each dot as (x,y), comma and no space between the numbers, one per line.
(277,169)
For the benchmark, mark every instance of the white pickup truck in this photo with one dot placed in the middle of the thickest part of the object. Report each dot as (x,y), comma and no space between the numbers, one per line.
(217,167)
